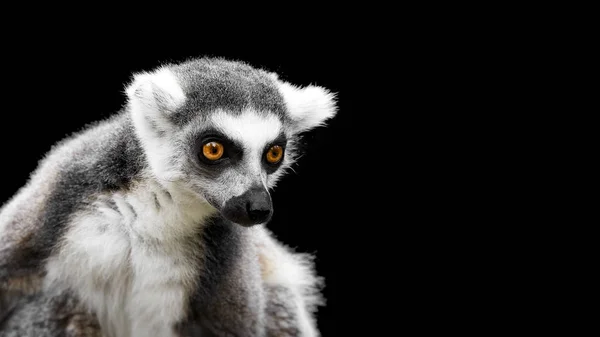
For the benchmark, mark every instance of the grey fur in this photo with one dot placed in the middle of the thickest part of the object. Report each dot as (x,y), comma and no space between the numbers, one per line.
(88,174)
(221,84)
(224,238)
(156,202)
(280,314)
(49,315)
(106,157)
(159,131)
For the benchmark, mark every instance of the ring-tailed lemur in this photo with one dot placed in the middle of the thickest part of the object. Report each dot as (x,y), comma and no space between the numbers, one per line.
(142,225)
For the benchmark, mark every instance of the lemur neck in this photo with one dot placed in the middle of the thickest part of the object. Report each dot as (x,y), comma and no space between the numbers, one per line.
(167,211)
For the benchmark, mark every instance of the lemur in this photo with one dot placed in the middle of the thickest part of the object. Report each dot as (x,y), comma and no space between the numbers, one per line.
(152,221)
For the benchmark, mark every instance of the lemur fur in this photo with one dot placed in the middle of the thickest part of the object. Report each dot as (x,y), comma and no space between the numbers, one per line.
(127,229)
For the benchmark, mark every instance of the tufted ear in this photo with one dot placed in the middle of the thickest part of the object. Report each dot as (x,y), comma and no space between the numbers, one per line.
(152,98)
(308,107)
(156,92)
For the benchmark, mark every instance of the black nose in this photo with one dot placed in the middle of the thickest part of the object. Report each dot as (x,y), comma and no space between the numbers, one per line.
(250,208)
(258,211)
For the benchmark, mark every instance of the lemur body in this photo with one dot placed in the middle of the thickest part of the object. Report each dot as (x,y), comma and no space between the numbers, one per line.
(133,228)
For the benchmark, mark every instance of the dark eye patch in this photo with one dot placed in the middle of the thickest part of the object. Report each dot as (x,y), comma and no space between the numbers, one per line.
(233,151)
(281,140)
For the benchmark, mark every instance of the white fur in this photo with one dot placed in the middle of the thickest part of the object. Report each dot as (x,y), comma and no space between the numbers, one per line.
(251,129)
(162,84)
(142,94)
(134,273)
(309,107)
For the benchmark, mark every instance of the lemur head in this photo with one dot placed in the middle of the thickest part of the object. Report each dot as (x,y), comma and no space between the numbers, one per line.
(223,130)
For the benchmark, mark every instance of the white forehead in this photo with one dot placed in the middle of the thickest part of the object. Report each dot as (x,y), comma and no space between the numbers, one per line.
(250,129)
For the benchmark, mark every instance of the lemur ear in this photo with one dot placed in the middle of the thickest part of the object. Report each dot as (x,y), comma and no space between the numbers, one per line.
(155,92)
(308,107)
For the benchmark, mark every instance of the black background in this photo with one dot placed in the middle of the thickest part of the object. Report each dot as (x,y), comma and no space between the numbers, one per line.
(58,82)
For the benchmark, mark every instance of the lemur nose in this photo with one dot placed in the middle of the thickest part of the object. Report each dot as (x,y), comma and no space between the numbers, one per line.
(258,212)
(251,208)
(258,205)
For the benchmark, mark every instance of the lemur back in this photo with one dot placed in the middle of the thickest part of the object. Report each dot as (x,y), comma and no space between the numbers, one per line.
(152,222)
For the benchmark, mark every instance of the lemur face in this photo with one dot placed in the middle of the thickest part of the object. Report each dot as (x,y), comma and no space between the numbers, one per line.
(223,130)
(235,159)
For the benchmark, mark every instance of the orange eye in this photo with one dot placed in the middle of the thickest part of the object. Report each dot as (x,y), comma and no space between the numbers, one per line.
(274,154)
(212,150)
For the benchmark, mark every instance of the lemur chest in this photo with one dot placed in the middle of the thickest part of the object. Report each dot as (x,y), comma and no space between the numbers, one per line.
(122,258)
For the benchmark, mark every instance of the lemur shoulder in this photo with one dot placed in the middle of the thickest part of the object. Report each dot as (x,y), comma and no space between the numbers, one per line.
(152,222)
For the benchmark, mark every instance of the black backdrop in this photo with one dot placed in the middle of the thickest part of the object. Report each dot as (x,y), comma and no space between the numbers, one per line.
(57,88)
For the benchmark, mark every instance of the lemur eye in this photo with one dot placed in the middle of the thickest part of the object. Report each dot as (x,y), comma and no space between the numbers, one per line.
(212,150)
(274,154)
